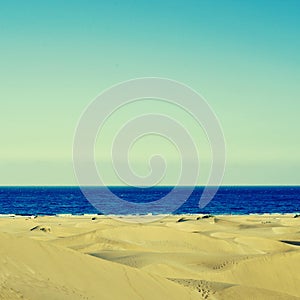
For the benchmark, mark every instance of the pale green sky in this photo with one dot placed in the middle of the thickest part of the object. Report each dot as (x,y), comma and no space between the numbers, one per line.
(242,57)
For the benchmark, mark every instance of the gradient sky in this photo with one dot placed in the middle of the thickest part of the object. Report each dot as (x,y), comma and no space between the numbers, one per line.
(242,56)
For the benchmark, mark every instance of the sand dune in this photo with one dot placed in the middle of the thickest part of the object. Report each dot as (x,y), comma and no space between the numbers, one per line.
(38,270)
(178,257)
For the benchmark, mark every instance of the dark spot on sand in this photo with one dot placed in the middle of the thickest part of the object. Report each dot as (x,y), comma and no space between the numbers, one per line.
(41,228)
(204,217)
(182,220)
(294,243)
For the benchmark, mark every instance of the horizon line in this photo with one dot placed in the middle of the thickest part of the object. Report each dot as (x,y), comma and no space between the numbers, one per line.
(163,185)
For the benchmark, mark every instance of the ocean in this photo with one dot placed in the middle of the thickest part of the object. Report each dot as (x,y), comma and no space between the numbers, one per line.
(46,200)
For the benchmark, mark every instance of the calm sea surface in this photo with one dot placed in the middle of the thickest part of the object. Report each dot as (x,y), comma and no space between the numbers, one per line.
(228,200)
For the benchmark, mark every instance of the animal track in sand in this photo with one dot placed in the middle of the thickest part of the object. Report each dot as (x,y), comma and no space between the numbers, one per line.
(205,288)
(201,286)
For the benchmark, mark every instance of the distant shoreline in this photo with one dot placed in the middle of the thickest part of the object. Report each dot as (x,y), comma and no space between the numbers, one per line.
(294,215)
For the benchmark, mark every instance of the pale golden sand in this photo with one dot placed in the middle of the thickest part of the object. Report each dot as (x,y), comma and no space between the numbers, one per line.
(223,257)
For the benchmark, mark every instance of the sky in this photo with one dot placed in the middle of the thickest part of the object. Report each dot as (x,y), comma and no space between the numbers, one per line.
(241,56)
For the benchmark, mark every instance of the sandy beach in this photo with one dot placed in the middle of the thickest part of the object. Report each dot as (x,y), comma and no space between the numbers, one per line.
(177,257)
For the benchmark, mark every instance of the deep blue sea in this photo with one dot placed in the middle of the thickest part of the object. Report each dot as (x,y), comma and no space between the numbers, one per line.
(228,200)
